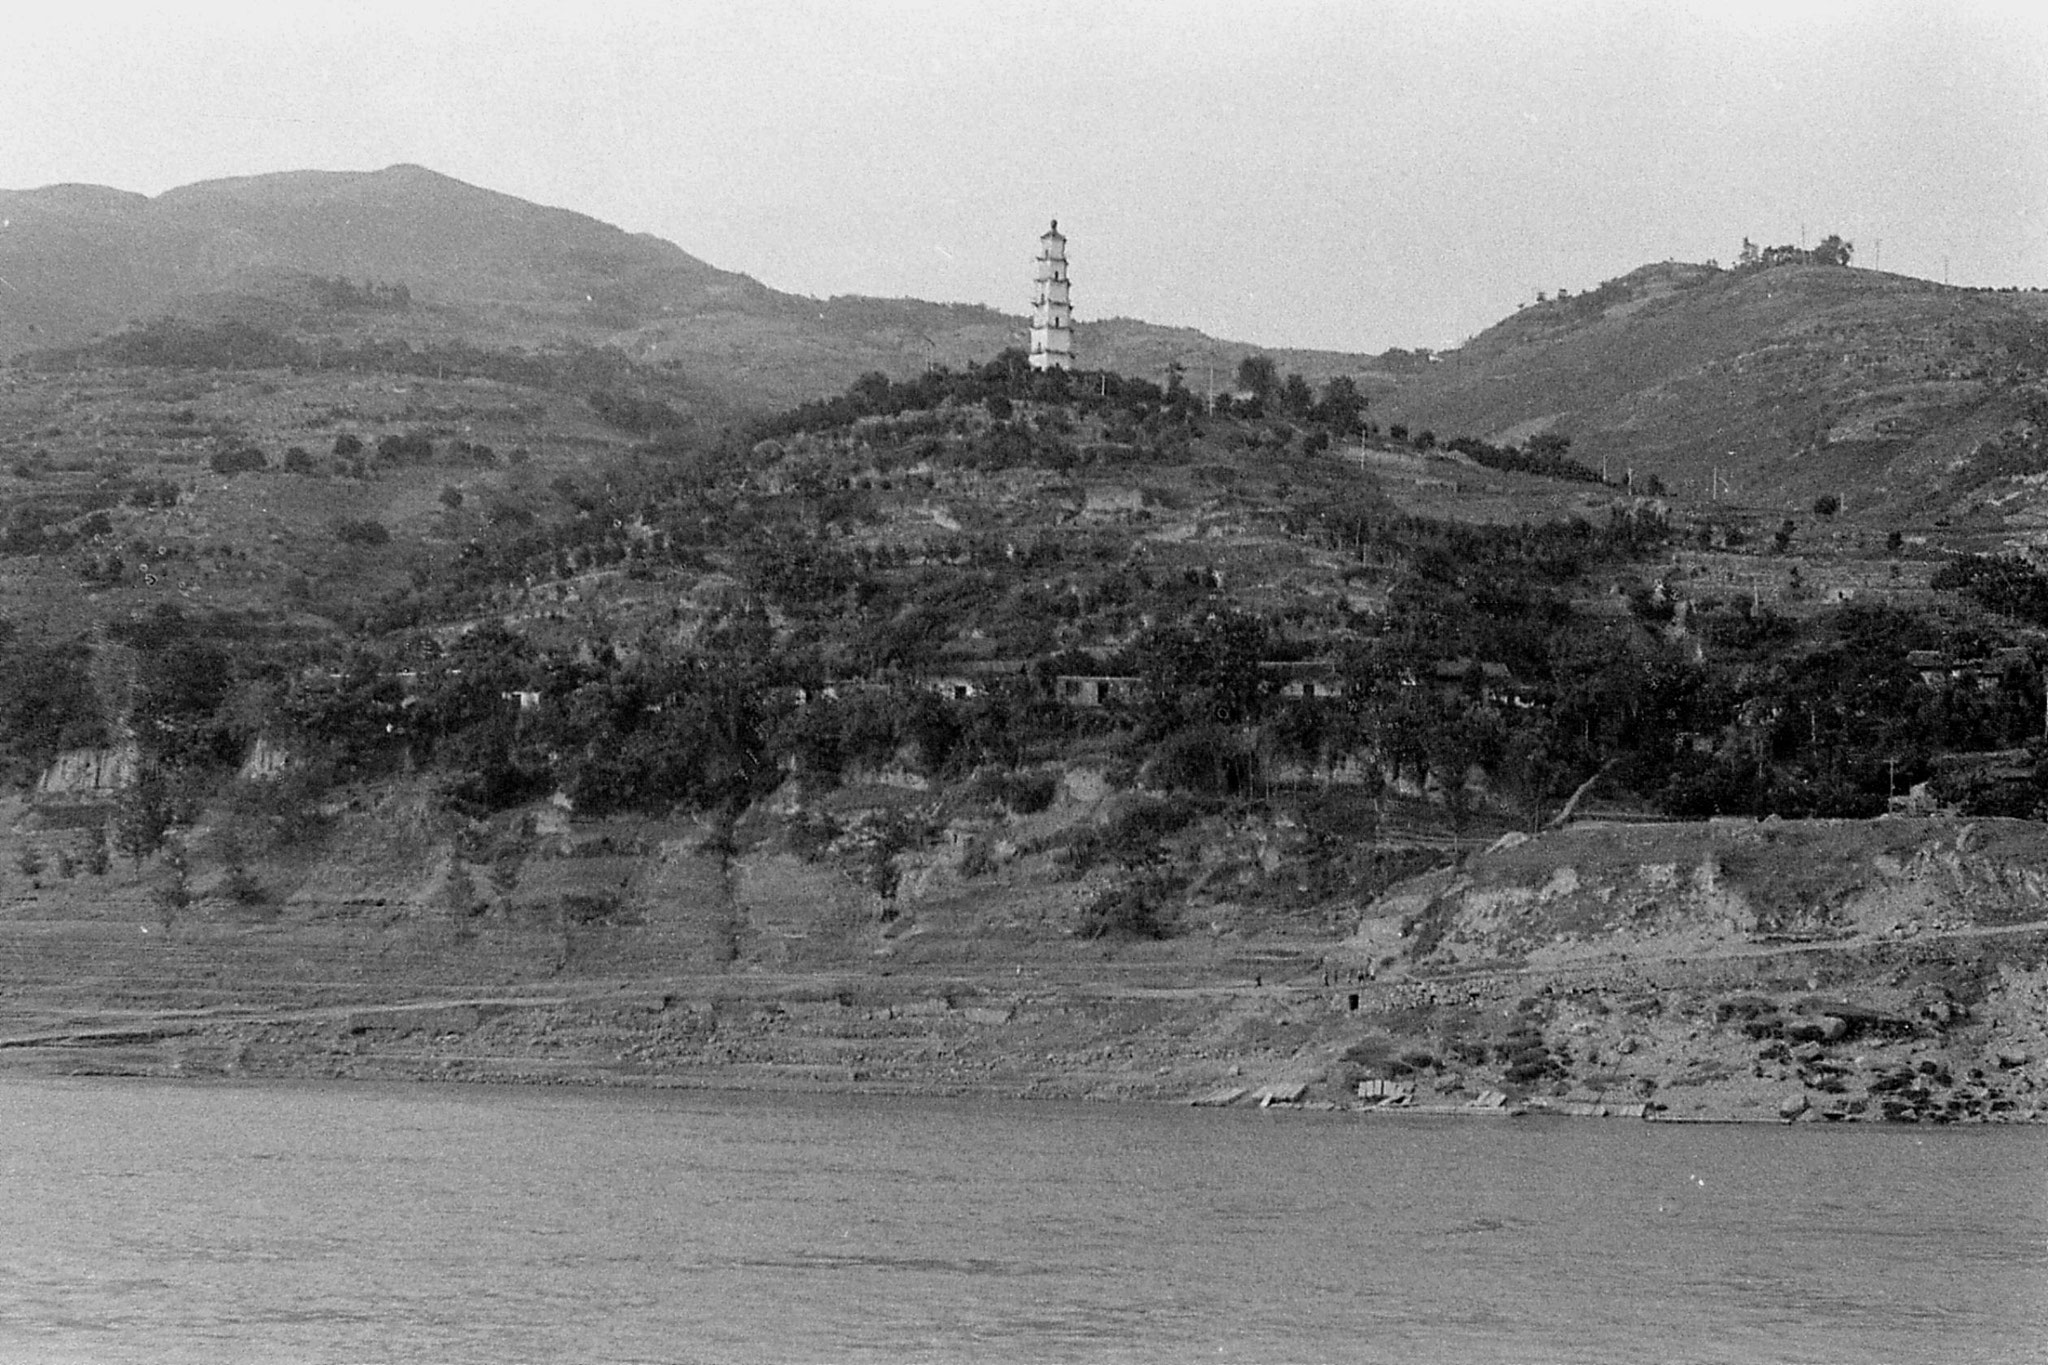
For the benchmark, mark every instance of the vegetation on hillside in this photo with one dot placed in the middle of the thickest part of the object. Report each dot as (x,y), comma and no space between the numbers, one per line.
(1484,680)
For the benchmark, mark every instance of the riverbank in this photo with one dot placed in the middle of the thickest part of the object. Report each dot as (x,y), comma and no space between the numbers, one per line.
(1680,1054)
(1835,971)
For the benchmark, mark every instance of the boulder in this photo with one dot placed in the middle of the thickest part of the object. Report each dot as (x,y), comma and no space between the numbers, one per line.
(1808,1052)
(1791,1107)
(2010,1057)
(1833,1028)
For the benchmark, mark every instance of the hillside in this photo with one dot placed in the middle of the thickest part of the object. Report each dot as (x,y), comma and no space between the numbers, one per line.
(1909,400)
(428,676)
(975,734)
(300,251)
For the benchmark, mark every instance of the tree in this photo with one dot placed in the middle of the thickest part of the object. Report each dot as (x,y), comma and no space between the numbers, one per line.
(47,704)
(1296,399)
(1833,251)
(1206,671)
(1341,406)
(414,447)
(361,531)
(178,712)
(237,459)
(1259,376)
(142,817)
(1826,505)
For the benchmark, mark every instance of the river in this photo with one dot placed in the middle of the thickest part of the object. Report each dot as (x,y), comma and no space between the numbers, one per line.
(170,1222)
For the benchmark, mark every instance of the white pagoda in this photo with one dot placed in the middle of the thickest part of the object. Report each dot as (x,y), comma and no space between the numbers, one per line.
(1052,316)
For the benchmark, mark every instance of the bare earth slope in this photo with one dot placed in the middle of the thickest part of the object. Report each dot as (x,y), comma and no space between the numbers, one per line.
(1846,970)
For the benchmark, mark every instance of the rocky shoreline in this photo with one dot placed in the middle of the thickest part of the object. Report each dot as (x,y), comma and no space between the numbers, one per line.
(1671,1056)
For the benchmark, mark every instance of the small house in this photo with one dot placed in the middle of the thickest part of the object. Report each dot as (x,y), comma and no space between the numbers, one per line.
(1093,690)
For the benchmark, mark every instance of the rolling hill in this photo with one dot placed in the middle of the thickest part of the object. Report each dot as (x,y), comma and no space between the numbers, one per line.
(1794,382)
(492,270)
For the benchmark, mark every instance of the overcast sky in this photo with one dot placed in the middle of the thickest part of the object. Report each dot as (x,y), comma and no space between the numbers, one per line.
(1346,175)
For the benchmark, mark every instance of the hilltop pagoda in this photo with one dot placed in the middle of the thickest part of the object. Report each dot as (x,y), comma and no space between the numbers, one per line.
(1052,316)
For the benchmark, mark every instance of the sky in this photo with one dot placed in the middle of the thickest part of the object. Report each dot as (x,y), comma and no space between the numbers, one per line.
(1309,173)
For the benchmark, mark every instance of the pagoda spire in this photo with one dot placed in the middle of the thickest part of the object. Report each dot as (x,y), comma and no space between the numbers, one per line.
(1052,316)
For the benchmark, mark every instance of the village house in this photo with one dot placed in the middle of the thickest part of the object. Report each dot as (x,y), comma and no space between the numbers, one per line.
(966,679)
(1101,689)
(1303,679)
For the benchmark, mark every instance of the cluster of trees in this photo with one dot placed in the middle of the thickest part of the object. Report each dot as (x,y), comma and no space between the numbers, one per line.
(47,702)
(237,457)
(343,293)
(1340,407)
(1831,251)
(1759,716)
(56,521)
(1008,378)
(997,384)
(646,417)
(2001,583)
(1547,453)
(1481,665)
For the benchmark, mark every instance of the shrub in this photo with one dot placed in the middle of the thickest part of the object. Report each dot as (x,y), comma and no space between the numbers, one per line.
(593,907)
(232,460)
(242,888)
(1211,759)
(153,493)
(1022,793)
(361,531)
(1135,909)
(1132,835)
(978,859)
(412,448)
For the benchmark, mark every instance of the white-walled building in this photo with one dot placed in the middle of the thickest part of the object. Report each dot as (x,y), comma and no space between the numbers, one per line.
(1052,316)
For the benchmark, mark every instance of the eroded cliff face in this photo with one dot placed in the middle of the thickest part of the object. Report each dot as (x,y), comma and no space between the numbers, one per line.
(93,774)
(1601,892)
(1895,968)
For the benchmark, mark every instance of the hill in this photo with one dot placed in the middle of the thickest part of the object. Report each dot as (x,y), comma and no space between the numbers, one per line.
(406,253)
(450,680)
(1908,400)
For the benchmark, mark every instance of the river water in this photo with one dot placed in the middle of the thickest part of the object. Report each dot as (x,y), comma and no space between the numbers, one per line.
(168,1222)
